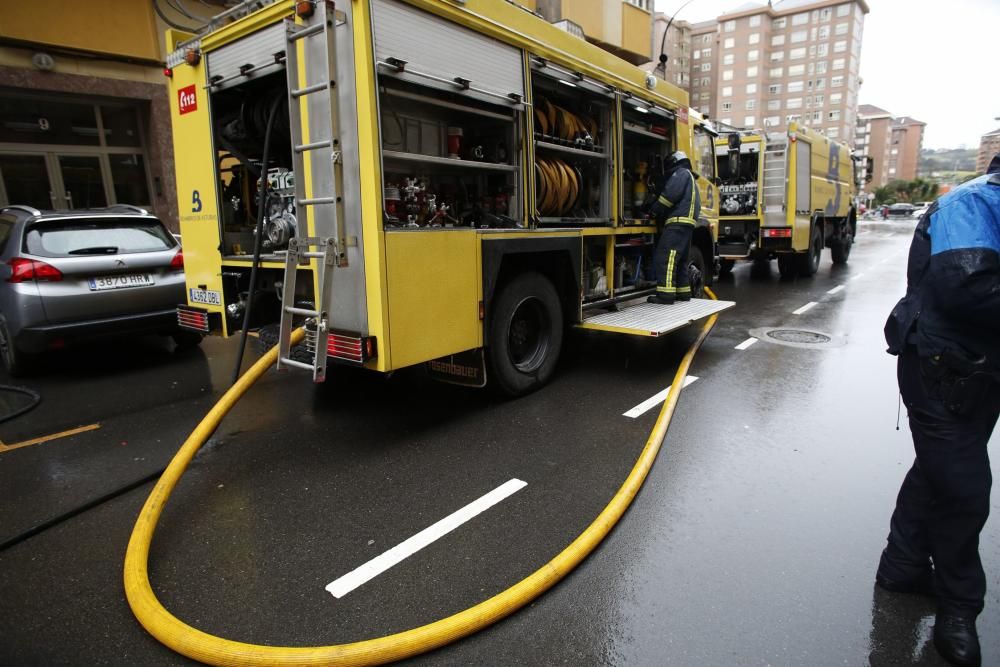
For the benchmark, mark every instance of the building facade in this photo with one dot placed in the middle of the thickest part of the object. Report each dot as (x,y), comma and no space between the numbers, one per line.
(989,145)
(84,115)
(894,144)
(675,43)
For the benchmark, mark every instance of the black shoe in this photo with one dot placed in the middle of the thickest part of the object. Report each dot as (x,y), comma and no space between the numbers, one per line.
(922,584)
(955,638)
(683,297)
(662,300)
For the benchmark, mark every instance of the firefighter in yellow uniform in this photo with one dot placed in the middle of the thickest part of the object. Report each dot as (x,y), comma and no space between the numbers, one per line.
(676,211)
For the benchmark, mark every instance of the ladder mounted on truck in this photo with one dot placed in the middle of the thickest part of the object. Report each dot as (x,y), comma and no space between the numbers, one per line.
(775,176)
(317,38)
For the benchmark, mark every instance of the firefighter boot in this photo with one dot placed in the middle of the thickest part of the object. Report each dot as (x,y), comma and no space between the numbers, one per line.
(955,638)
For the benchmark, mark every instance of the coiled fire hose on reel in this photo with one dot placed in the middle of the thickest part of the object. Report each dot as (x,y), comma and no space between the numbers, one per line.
(209,649)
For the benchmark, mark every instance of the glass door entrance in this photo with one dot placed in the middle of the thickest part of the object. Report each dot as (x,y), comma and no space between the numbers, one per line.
(83,185)
(26,179)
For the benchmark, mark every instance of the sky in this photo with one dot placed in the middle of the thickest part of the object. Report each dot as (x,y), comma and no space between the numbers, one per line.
(928,60)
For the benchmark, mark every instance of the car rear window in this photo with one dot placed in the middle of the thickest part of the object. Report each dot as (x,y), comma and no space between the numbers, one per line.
(104,236)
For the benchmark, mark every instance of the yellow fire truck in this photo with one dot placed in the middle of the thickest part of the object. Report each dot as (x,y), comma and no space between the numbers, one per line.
(786,195)
(438,182)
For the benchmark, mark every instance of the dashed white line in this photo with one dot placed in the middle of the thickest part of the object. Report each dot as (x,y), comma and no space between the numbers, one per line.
(804,308)
(653,401)
(860,275)
(745,344)
(407,548)
(835,289)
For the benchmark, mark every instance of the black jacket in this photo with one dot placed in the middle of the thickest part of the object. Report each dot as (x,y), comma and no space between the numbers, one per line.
(679,202)
(952,302)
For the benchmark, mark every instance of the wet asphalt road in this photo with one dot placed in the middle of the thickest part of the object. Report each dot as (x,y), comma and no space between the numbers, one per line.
(754,540)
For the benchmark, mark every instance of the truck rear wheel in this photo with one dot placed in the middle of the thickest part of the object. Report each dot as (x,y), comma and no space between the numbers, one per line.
(841,248)
(525,336)
(726,266)
(696,272)
(788,265)
(809,260)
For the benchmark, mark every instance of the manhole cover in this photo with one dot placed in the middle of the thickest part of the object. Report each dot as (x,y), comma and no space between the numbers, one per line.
(799,336)
(803,338)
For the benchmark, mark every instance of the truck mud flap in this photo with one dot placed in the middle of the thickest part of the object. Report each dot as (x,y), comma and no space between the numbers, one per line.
(465,368)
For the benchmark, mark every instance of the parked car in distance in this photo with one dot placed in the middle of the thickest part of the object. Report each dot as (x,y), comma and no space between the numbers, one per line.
(67,276)
(901,210)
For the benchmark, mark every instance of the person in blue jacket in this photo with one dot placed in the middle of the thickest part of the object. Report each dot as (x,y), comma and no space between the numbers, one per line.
(946,333)
(677,210)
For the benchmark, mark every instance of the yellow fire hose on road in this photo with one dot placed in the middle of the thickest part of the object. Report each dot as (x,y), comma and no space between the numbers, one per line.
(207,648)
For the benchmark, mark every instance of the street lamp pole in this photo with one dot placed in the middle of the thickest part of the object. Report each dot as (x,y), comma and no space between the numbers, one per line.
(663,42)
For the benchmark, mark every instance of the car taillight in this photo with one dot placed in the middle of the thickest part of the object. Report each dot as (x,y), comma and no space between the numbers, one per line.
(23,270)
(177,263)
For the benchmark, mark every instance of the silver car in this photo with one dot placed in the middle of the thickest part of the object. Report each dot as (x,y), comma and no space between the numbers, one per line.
(72,275)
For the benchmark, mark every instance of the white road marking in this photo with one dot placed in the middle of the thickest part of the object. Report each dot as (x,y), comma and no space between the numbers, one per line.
(745,344)
(804,308)
(347,583)
(835,289)
(653,401)
(860,275)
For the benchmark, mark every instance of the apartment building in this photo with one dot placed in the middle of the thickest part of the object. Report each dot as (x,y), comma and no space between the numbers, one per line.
(989,145)
(904,150)
(676,45)
(893,143)
(704,67)
(622,27)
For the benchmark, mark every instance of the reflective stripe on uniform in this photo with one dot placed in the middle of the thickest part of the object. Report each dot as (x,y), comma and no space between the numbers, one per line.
(694,197)
(669,280)
(684,290)
(680,220)
(667,290)
(666,202)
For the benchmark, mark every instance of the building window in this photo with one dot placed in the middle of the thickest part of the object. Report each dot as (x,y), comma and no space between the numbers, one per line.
(843,10)
(795,86)
(798,36)
(818,100)
(771,121)
(776,72)
(706,67)
(706,38)
(833,132)
(778,24)
(821,67)
(751,88)
(754,38)
(774,89)
(833,115)
(727,91)
(696,55)
(800,19)
(728,59)
(839,47)
(795,54)
(822,50)
(821,83)
(825,14)
(835,98)
(749,121)
(773,105)
(838,63)
(777,56)
(707,53)
(727,75)
(777,40)
(755,20)
(727,106)
(796,70)
(750,104)
(729,26)
(840,29)
(751,71)
(794,103)
(836,82)
(753,55)
(816,116)
(729,43)
(705,81)
(824,32)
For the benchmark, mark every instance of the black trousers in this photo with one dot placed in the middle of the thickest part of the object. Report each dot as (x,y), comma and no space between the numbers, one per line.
(670,260)
(945,498)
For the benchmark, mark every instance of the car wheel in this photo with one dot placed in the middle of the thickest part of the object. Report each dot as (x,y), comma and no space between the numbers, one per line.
(16,362)
(525,338)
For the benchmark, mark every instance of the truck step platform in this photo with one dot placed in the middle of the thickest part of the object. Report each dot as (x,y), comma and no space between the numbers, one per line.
(640,318)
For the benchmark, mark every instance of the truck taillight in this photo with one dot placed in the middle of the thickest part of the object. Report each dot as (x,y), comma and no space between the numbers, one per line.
(177,262)
(23,270)
(784,232)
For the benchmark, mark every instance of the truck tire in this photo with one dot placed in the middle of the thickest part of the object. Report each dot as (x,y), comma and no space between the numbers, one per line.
(525,335)
(696,272)
(788,266)
(841,248)
(267,337)
(185,340)
(809,260)
(726,266)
